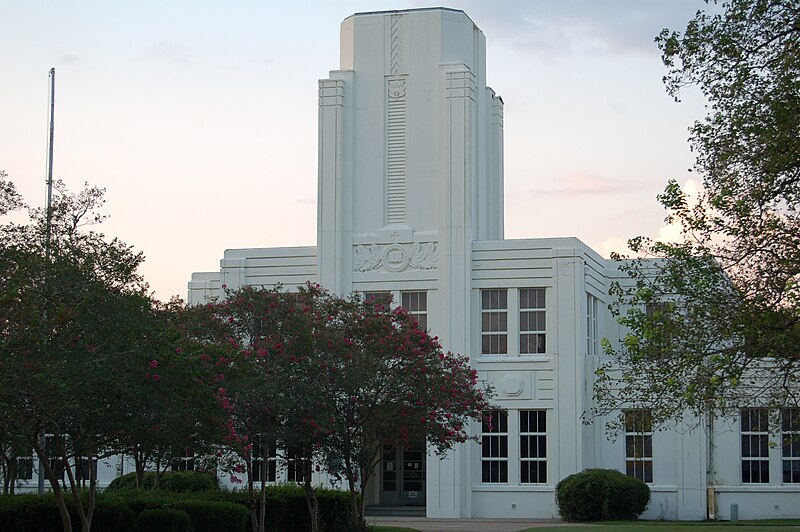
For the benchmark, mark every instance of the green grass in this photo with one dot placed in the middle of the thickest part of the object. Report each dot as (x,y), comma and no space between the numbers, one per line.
(682,526)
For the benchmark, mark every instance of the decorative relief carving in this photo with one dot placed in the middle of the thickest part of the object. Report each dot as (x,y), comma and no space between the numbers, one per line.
(395,257)
(395,45)
(511,386)
(397,89)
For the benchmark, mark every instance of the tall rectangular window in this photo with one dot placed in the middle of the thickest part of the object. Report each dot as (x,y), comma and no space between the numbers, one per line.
(294,466)
(258,453)
(416,303)
(185,462)
(533,446)
(639,444)
(494,322)
(790,445)
(755,445)
(25,468)
(494,447)
(592,304)
(379,299)
(82,468)
(531,321)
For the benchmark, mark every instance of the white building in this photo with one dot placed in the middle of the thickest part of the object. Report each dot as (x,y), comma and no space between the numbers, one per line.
(410,201)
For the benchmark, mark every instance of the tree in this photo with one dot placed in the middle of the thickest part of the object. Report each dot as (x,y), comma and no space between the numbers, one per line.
(334,383)
(385,383)
(76,338)
(715,319)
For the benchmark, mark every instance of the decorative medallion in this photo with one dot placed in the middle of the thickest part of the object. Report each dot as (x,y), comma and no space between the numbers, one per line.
(395,257)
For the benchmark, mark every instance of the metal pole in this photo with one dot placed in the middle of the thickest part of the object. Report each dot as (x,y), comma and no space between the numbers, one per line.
(48,231)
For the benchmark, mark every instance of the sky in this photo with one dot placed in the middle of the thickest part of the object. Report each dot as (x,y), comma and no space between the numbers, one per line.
(199,117)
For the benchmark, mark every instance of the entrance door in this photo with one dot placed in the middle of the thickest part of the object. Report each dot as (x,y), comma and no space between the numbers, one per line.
(403,476)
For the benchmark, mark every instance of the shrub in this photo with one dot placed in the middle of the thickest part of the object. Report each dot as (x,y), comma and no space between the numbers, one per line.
(601,494)
(163,520)
(215,516)
(188,481)
(175,481)
(114,515)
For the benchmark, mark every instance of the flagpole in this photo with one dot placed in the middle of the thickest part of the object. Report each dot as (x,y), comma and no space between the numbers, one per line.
(48,231)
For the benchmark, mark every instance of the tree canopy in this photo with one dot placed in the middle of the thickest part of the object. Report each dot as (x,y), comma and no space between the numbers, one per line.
(714,319)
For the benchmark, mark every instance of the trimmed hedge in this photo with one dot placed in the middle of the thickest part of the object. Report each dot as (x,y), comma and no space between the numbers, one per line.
(601,494)
(210,511)
(174,481)
(215,516)
(164,520)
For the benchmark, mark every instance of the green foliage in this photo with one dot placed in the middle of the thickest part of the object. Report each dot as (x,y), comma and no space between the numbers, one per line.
(175,481)
(163,520)
(215,516)
(188,481)
(600,495)
(726,330)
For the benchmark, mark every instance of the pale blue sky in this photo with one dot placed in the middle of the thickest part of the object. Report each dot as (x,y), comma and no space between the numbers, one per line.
(200,117)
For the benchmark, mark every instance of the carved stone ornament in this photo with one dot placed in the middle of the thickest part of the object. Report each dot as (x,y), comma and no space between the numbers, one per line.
(397,88)
(511,386)
(395,257)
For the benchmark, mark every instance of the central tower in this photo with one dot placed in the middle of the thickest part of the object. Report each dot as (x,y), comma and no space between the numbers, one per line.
(410,147)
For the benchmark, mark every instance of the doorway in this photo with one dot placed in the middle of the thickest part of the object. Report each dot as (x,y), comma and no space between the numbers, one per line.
(403,476)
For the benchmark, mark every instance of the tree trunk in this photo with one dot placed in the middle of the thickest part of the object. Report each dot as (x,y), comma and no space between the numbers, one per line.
(138,461)
(59,495)
(262,501)
(311,496)
(251,495)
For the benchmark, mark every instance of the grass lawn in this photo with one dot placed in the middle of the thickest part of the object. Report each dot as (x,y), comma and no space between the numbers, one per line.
(683,526)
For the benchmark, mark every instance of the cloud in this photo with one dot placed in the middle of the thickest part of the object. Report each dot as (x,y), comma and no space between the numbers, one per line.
(613,244)
(672,232)
(576,185)
(166,52)
(68,59)
(581,26)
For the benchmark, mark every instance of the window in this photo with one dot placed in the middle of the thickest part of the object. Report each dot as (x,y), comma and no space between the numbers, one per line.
(25,468)
(294,466)
(755,445)
(272,460)
(494,322)
(531,320)
(592,305)
(639,444)
(494,447)
(82,468)
(790,439)
(185,462)
(416,303)
(382,300)
(533,446)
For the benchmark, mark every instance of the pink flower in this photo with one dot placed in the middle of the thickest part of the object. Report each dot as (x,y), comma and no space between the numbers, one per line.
(155,377)
(153,364)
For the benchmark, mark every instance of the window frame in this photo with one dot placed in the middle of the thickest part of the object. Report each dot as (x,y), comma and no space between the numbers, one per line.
(494,321)
(638,446)
(539,436)
(416,304)
(532,320)
(494,447)
(790,454)
(747,416)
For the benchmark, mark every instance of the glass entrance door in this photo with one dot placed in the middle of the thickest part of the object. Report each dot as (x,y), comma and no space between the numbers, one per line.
(403,476)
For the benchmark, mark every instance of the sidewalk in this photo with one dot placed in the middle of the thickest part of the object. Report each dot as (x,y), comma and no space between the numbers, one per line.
(466,525)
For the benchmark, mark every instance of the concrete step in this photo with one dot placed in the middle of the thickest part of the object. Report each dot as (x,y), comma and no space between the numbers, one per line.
(399,511)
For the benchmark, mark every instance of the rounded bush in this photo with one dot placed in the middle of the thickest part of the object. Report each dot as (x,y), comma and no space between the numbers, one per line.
(163,520)
(175,481)
(601,494)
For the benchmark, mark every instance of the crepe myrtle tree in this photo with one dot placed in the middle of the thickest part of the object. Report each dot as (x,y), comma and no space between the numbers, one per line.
(260,334)
(714,319)
(385,383)
(334,382)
